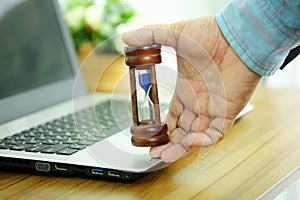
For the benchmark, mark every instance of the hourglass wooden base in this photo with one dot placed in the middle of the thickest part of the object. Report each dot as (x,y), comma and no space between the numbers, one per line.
(149,135)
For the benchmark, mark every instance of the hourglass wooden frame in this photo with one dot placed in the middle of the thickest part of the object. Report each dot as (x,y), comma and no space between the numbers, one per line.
(151,132)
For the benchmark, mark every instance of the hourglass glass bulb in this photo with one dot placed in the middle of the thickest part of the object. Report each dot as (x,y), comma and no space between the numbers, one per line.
(147,107)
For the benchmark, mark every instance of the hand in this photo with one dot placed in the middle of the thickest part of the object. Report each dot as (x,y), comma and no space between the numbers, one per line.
(213,84)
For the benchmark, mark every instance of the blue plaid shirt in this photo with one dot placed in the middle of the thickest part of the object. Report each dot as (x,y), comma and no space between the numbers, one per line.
(261,31)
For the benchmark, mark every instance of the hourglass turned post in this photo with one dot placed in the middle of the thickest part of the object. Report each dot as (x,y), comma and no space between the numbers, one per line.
(147,129)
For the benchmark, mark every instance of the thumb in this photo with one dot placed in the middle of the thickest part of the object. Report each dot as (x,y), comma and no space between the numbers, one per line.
(160,33)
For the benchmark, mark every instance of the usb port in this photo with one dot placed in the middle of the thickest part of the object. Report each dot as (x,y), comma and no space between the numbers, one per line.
(97,171)
(114,174)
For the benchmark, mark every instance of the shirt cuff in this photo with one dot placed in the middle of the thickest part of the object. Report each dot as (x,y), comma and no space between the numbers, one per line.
(261,32)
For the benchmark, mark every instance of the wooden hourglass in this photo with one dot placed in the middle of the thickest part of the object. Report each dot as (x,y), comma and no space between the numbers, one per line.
(147,129)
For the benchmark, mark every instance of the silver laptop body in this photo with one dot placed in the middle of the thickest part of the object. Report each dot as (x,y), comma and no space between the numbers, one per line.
(41,88)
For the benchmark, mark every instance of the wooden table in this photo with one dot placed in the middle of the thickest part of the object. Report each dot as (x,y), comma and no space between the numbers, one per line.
(259,158)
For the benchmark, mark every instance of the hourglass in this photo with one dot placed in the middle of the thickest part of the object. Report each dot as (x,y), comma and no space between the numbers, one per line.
(147,129)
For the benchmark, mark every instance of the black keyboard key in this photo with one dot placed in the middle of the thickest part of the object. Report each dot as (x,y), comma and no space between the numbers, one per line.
(50,141)
(69,134)
(50,133)
(67,151)
(55,148)
(13,142)
(19,147)
(3,145)
(29,134)
(70,141)
(76,137)
(40,137)
(58,137)
(31,141)
(37,148)
(78,146)
(20,138)
(87,142)
(91,138)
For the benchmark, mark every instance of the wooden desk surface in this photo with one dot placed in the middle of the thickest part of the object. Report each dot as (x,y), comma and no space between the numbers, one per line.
(260,155)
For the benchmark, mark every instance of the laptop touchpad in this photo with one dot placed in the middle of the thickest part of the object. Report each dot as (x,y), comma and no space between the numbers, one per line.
(117,152)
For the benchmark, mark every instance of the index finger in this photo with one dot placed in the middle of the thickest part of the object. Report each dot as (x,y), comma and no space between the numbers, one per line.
(160,34)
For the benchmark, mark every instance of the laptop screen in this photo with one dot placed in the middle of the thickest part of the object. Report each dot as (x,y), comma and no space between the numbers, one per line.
(34,55)
(31,53)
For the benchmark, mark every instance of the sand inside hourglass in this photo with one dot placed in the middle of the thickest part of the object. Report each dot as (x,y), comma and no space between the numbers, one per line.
(147,107)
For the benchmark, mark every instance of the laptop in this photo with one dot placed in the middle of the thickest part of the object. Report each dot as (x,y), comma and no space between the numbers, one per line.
(49,123)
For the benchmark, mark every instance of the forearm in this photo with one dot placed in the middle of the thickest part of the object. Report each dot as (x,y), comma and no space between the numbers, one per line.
(261,32)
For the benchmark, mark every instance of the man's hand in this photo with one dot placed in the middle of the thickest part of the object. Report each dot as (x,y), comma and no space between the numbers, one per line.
(213,84)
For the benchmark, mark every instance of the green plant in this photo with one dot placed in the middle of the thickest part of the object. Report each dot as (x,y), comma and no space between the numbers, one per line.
(92,21)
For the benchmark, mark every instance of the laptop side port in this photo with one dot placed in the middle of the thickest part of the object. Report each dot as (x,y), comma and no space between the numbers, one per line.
(113,173)
(42,167)
(61,167)
(128,175)
(79,169)
(97,171)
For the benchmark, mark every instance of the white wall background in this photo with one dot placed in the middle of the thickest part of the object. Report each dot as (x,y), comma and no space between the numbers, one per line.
(167,11)
(171,11)
(288,77)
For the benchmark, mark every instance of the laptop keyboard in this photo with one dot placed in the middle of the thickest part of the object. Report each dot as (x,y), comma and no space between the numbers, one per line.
(72,132)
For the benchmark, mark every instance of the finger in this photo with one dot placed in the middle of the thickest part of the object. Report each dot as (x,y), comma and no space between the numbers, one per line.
(160,33)
(176,152)
(156,151)
(173,153)
(186,120)
(185,92)
(185,144)
(221,124)
(175,137)
(175,109)
(202,139)
(200,124)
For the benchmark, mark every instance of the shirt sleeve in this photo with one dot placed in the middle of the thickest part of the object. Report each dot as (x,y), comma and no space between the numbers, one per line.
(261,32)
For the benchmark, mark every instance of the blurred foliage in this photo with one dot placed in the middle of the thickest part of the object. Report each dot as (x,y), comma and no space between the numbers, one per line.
(92,21)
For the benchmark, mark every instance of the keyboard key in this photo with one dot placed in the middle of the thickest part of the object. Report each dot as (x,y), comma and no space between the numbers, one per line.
(3,145)
(55,148)
(50,141)
(31,141)
(19,147)
(86,142)
(78,146)
(40,137)
(13,142)
(70,141)
(37,148)
(76,137)
(67,151)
